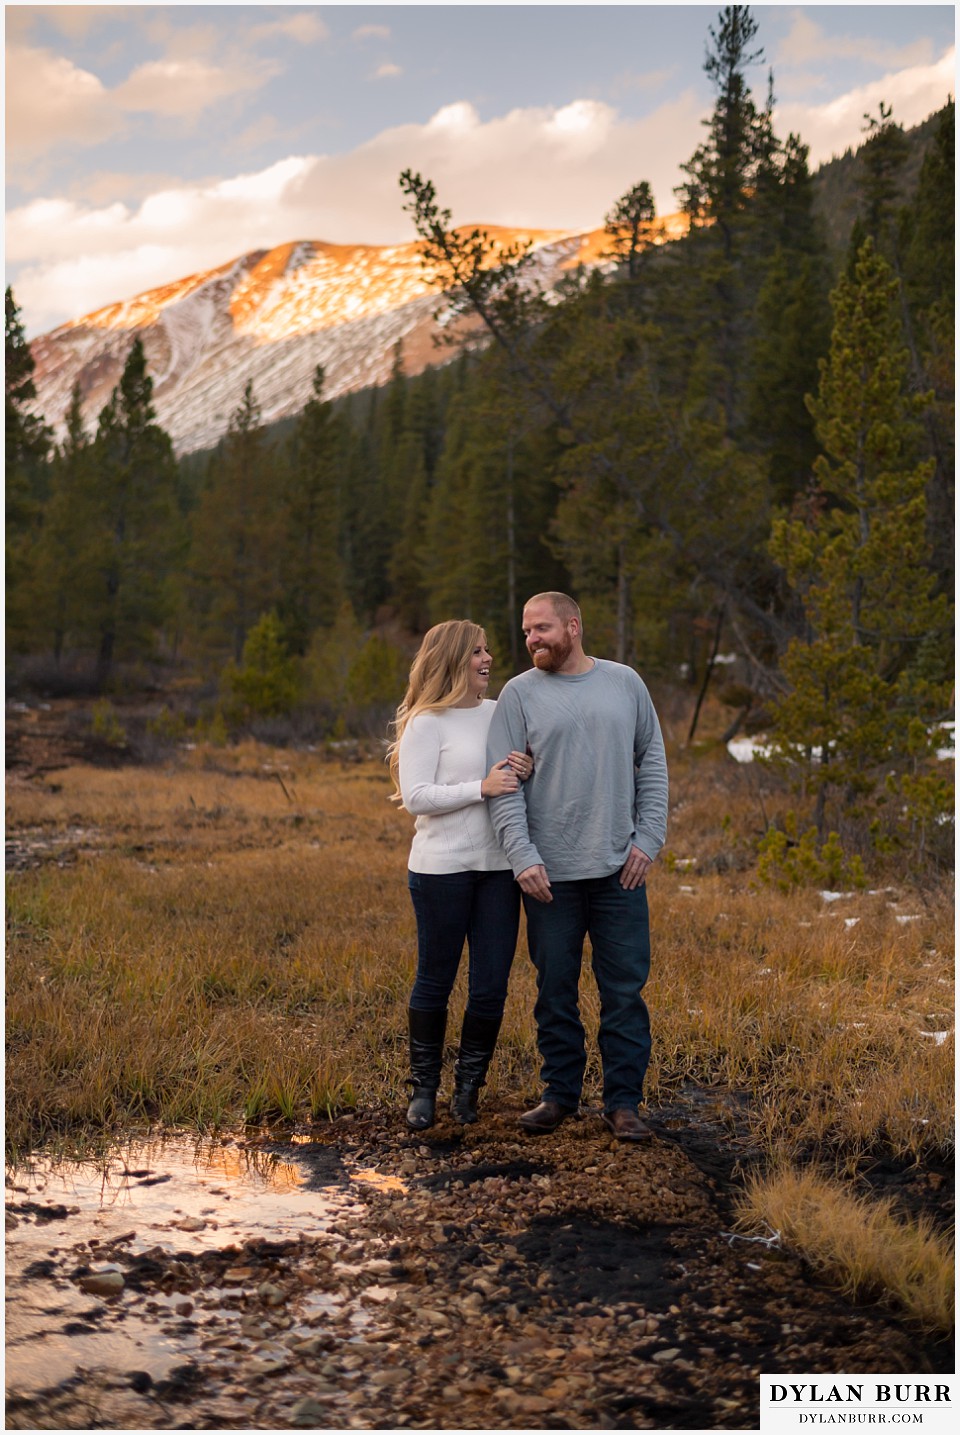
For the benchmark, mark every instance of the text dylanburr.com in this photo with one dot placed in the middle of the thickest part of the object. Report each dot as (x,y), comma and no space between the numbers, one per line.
(925,1403)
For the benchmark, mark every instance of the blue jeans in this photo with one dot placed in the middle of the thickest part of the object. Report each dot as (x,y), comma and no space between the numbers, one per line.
(482,908)
(617,922)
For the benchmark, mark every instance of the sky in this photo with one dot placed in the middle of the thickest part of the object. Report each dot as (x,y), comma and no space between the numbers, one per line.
(146,143)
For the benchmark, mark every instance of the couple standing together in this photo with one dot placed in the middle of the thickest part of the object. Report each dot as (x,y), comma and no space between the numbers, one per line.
(571,813)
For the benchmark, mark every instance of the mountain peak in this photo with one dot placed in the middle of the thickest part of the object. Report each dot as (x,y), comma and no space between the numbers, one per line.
(270,317)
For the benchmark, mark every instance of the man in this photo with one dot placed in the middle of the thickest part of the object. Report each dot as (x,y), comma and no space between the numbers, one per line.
(580,837)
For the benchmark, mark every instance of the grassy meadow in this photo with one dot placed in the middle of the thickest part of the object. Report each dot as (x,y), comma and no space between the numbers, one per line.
(229,937)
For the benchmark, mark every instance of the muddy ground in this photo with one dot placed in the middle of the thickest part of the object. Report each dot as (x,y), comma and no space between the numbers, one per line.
(448,1280)
(472,1280)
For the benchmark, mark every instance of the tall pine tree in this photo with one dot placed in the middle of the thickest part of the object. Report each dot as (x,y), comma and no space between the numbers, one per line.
(858,714)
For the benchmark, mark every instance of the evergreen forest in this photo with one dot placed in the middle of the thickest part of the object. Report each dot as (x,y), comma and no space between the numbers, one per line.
(738,442)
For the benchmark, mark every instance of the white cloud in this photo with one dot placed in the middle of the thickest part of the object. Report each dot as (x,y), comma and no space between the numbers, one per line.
(188,86)
(306,28)
(50,101)
(387,71)
(372,32)
(75,21)
(807,42)
(541,167)
(828,129)
(537,166)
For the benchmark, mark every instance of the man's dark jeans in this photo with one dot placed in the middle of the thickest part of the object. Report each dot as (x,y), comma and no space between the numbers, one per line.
(617,923)
(482,908)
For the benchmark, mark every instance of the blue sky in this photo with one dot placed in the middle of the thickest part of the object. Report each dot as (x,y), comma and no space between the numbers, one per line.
(148,142)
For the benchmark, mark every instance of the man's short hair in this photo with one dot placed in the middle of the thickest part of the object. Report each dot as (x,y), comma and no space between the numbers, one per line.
(562,604)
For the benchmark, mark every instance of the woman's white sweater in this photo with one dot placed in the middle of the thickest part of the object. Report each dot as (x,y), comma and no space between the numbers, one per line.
(442,765)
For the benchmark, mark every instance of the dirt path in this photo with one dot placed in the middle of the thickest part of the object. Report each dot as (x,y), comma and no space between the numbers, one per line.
(478,1280)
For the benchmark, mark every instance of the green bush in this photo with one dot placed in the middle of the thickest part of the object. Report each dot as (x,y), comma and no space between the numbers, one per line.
(106,726)
(267,683)
(788,860)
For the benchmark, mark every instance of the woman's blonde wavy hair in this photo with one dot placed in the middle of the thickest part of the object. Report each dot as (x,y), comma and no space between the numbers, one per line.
(439,678)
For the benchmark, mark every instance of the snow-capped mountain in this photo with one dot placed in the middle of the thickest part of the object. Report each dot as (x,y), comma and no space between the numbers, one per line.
(270,317)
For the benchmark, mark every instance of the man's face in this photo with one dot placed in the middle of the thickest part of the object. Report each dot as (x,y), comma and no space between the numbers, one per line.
(549,640)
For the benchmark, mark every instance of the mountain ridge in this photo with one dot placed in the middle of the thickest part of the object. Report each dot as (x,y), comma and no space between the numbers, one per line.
(269,317)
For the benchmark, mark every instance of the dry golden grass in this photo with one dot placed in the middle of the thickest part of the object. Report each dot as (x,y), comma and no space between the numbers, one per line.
(232,936)
(858,1243)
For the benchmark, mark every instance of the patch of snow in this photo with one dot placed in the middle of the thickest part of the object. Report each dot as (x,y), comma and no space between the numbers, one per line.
(937,1036)
(836,896)
(949,730)
(746,749)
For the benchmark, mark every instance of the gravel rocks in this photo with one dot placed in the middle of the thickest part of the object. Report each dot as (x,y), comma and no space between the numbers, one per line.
(559,1282)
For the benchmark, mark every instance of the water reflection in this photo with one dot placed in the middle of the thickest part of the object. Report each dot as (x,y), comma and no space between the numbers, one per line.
(182,1193)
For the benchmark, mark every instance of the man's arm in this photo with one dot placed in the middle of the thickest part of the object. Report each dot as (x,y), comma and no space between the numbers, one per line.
(508,813)
(650,782)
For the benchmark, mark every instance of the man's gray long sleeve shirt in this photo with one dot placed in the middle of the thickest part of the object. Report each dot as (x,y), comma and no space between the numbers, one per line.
(599,783)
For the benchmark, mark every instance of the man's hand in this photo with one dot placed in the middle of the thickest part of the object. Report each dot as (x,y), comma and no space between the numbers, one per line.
(535,882)
(633,873)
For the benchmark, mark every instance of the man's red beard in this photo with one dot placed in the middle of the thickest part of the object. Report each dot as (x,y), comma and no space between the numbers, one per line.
(551,656)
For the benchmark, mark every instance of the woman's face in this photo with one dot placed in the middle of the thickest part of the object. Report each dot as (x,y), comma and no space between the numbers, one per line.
(478,675)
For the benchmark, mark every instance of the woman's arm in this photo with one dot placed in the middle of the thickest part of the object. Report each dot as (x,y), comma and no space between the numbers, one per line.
(419,760)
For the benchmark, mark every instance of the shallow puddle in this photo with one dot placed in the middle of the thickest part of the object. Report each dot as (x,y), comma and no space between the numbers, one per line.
(180,1194)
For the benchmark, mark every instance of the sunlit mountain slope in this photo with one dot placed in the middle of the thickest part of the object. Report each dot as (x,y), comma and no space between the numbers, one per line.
(271,317)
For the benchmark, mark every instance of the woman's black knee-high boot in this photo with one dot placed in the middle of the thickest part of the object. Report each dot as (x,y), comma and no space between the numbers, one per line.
(427,1030)
(478,1041)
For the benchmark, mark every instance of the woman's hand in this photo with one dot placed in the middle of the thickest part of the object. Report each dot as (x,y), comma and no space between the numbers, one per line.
(499,780)
(521,763)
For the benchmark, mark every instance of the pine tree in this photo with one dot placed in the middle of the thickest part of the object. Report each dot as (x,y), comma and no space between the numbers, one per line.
(313,578)
(134,533)
(630,225)
(235,563)
(26,473)
(65,583)
(925,249)
(859,704)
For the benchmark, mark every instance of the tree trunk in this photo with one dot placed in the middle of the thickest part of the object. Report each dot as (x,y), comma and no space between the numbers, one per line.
(512,616)
(624,625)
(706,677)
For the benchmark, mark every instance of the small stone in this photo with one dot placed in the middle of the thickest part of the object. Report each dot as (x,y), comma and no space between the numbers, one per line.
(309,1412)
(313,1345)
(191,1223)
(237,1275)
(392,1376)
(271,1294)
(102,1283)
(184,1307)
(265,1365)
(533,1404)
(663,1357)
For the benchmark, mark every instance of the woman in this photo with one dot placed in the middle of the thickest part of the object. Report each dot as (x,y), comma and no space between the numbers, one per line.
(460,881)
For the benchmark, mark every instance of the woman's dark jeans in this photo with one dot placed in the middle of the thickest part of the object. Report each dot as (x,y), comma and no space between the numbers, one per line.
(481,908)
(617,923)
